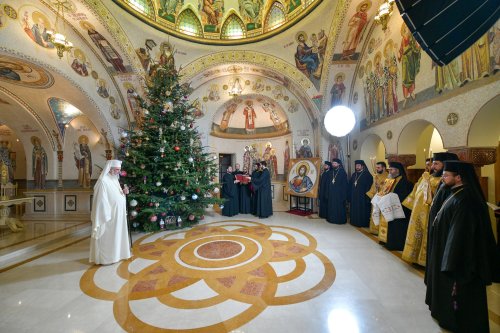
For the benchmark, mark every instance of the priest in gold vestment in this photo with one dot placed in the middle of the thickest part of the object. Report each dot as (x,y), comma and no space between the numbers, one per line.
(419,201)
(378,181)
(393,233)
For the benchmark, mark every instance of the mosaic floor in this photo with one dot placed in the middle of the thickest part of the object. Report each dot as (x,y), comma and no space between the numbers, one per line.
(284,274)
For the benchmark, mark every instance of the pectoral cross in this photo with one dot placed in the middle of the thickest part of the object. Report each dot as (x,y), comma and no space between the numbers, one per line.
(333,181)
(355,183)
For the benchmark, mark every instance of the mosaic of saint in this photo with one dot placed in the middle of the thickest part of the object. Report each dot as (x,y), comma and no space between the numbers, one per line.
(23,73)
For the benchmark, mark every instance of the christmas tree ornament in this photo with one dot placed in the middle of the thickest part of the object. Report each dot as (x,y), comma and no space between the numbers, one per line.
(146,112)
(163,214)
(158,183)
(150,204)
(183,198)
(191,217)
(177,148)
(202,217)
(124,134)
(194,197)
(133,213)
(190,160)
(162,149)
(162,224)
(216,190)
(123,173)
(157,204)
(133,203)
(183,127)
(153,218)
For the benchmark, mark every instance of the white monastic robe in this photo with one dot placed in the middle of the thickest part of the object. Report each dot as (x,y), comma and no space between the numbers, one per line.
(110,241)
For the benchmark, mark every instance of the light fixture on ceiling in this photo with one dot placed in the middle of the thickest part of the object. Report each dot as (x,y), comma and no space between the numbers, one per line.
(236,88)
(384,12)
(57,38)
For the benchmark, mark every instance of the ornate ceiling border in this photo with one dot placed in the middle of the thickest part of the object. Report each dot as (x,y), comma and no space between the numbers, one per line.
(63,74)
(28,108)
(245,56)
(154,23)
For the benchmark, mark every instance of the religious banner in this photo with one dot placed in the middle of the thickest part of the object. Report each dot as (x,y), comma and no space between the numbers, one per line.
(303,178)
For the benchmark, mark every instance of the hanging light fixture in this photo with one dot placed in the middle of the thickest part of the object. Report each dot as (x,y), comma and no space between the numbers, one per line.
(384,12)
(59,40)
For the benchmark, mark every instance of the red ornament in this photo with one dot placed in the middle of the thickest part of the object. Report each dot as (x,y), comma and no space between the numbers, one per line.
(123,173)
(191,217)
(150,204)
(163,214)
(177,148)
(151,120)
(198,190)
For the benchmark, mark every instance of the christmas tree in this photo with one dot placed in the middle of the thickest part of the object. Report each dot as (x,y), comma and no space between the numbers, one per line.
(169,174)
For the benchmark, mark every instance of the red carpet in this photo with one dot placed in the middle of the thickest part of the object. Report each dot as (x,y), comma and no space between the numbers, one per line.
(299,212)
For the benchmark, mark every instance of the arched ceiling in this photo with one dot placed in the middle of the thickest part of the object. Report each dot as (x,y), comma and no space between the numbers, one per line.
(107,55)
(220,22)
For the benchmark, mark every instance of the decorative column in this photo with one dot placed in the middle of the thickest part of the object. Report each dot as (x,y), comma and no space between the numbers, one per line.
(407,160)
(60,157)
(479,157)
(108,151)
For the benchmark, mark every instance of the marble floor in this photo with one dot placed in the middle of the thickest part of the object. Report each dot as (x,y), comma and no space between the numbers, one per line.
(244,275)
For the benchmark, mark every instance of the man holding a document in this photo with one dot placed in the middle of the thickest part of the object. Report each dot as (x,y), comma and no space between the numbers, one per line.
(388,212)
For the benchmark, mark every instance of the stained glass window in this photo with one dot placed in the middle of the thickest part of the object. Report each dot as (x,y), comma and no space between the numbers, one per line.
(276,16)
(188,23)
(143,6)
(233,28)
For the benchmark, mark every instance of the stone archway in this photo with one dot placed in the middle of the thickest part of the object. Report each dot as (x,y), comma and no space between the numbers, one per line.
(372,150)
(484,131)
(420,138)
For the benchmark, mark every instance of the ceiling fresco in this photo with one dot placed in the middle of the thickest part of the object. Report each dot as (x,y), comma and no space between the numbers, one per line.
(222,22)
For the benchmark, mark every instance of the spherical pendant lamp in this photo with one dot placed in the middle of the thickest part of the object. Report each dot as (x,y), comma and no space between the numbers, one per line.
(339,121)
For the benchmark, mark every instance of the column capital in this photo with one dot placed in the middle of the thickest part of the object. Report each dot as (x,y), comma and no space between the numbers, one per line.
(479,156)
(405,159)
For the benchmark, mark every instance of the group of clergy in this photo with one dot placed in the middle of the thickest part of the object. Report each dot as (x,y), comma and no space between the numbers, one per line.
(442,223)
(245,193)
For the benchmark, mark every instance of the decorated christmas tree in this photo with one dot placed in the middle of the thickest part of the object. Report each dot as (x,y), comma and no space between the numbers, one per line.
(169,174)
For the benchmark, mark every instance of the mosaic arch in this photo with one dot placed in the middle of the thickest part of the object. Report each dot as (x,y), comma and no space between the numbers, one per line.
(250,116)
(239,266)
(224,63)
(220,22)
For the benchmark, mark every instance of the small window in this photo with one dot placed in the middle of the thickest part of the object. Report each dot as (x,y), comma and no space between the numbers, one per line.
(233,28)
(276,17)
(145,7)
(188,23)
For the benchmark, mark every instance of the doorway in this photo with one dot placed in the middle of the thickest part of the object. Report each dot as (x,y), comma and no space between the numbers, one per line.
(225,160)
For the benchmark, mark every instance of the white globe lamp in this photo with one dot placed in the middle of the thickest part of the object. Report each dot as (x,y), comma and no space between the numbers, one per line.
(339,121)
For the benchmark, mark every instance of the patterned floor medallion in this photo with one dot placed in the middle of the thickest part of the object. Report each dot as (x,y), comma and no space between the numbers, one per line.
(213,278)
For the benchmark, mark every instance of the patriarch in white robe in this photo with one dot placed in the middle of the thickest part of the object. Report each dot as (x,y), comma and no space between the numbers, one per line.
(110,239)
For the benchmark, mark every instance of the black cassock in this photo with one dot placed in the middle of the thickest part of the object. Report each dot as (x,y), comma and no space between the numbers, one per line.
(337,197)
(397,228)
(230,194)
(263,201)
(463,259)
(325,180)
(360,203)
(245,198)
(253,200)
